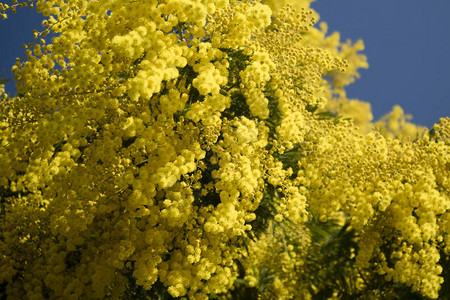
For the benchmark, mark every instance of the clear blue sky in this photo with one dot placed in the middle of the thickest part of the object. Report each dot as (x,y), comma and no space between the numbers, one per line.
(408,49)
(407,45)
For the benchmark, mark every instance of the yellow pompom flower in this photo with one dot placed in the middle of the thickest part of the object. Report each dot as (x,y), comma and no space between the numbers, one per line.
(200,148)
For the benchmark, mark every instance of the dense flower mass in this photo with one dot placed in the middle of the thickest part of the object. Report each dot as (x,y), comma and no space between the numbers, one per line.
(206,148)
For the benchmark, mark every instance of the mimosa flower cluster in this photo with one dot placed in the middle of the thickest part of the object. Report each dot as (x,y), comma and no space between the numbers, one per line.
(186,148)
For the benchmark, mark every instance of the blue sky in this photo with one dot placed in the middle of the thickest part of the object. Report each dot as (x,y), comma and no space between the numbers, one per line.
(407,45)
(408,49)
